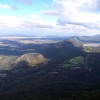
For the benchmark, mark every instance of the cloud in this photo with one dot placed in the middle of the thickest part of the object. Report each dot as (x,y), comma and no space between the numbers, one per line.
(73,17)
(4,6)
(16,22)
(35,16)
(8,7)
(35,21)
(14,7)
(39,25)
(51,12)
(9,21)
(80,13)
(46,5)
(26,2)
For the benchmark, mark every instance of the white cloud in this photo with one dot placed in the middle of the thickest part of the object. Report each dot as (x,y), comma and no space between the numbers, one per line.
(73,17)
(4,6)
(80,13)
(34,21)
(46,5)
(35,16)
(26,2)
(10,21)
(51,12)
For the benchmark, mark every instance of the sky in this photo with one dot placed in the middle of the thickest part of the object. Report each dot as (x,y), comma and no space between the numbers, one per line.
(50,17)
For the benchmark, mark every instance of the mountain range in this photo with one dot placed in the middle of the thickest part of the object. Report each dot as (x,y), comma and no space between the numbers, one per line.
(65,70)
(95,38)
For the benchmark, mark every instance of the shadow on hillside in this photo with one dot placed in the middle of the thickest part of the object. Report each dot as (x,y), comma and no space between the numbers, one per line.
(16,48)
(55,50)
(62,49)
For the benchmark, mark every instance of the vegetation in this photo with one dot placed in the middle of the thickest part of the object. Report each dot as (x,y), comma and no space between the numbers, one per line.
(58,91)
(92,49)
(5,61)
(32,59)
(69,74)
(76,60)
(73,62)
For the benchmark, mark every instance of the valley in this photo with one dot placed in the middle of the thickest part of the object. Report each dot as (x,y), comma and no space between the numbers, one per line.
(49,50)
(91,45)
(49,68)
(11,48)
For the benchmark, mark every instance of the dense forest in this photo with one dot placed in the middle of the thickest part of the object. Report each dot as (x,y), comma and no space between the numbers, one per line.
(61,70)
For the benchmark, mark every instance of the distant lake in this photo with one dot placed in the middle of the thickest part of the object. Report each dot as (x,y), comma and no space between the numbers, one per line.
(92,44)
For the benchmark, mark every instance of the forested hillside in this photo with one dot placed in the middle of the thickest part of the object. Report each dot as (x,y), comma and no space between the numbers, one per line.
(54,71)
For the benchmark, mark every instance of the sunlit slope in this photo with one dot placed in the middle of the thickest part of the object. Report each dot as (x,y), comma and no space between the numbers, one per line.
(31,59)
(5,62)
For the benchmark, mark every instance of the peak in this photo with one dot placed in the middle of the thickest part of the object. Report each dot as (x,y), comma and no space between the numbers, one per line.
(31,59)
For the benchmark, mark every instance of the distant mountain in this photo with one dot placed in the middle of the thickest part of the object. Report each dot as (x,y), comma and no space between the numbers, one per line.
(75,42)
(95,38)
(66,48)
(70,73)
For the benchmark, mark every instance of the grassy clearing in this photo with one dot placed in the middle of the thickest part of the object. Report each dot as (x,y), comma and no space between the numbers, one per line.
(72,62)
(76,60)
(87,49)
(5,61)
